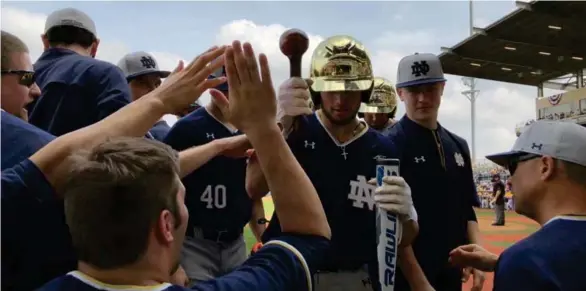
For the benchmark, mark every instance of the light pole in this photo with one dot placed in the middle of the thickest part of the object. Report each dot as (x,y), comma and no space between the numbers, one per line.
(471,93)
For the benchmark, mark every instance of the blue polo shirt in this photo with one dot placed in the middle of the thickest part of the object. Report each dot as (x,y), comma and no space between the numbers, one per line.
(436,164)
(76,91)
(20,140)
(550,259)
(36,245)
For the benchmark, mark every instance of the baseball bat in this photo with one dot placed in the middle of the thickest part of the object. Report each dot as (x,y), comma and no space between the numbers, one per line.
(293,44)
(388,229)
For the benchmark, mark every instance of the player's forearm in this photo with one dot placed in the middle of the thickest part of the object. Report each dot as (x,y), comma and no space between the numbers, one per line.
(193,158)
(473,232)
(410,231)
(134,119)
(256,184)
(258,213)
(411,269)
(296,200)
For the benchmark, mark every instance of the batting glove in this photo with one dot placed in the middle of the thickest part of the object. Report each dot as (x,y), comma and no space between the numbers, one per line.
(293,100)
(395,196)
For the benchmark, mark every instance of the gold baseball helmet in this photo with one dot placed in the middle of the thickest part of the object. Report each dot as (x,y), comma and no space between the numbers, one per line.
(383,98)
(341,63)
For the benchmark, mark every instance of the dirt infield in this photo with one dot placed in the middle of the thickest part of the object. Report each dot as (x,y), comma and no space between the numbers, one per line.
(494,238)
(497,238)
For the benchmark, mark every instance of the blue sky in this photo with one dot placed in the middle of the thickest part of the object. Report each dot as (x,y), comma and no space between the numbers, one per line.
(390,30)
(138,22)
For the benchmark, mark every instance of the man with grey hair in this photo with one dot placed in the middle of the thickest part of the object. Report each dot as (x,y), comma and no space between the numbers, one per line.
(548,174)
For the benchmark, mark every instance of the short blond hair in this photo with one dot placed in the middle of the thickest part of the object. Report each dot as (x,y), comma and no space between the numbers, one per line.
(11,44)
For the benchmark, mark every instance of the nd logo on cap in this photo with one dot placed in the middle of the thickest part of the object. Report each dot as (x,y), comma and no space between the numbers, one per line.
(419,69)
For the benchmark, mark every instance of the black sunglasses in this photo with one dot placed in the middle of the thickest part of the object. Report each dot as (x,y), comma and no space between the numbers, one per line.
(27,78)
(514,162)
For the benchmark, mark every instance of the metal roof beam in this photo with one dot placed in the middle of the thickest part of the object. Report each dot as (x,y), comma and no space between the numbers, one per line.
(559,86)
(563,51)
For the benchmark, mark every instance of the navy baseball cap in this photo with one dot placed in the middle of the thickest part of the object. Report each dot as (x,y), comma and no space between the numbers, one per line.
(419,69)
(140,63)
(221,72)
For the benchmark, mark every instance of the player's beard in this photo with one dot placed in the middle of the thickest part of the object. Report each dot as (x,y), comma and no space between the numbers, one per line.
(340,122)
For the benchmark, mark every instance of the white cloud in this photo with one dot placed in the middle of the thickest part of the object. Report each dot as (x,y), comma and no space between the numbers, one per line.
(29,27)
(499,108)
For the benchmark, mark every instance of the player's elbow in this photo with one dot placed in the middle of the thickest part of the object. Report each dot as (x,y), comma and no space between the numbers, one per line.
(255,190)
(410,231)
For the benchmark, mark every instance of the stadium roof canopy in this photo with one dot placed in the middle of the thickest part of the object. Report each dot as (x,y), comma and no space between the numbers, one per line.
(538,42)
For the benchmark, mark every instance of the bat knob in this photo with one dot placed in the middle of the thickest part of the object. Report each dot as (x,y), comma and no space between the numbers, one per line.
(293,42)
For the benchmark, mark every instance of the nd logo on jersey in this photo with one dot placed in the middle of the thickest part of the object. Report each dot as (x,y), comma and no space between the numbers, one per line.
(361,193)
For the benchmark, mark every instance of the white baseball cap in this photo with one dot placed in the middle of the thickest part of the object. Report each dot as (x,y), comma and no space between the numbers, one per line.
(140,63)
(419,69)
(70,17)
(560,140)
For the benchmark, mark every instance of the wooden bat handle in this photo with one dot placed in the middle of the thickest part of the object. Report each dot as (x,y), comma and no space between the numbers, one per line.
(295,66)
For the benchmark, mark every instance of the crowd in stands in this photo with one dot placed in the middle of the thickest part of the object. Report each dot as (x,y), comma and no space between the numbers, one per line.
(483,172)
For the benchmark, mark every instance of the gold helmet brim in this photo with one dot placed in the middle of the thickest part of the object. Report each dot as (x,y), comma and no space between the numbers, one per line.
(321,85)
(375,109)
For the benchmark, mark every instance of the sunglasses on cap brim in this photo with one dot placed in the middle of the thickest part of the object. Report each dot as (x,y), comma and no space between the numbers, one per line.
(26,78)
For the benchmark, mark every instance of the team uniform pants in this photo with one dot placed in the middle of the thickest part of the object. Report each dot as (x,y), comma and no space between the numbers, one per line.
(342,281)
(204,259)
(499,211)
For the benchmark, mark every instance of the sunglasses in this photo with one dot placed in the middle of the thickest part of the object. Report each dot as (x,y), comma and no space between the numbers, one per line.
(514,162)
(27,78)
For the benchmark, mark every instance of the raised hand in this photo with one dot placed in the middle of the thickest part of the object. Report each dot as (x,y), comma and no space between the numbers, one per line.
(252,105)
(185,85)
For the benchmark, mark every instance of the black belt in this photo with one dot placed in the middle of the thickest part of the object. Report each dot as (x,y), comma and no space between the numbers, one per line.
(218,236)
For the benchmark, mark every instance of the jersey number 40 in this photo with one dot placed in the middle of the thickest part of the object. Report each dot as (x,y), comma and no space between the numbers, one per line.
(214,196)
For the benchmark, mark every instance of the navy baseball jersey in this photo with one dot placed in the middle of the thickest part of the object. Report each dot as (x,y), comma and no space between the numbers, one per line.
(20,140)
(159,130)
(281,265)
(215,193)
(36,246)
(436,164)
(340,173)
(551,259)
(76,91)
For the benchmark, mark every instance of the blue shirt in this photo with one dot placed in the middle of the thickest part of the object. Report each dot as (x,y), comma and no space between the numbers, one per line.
(20,140)
(340,172)
(76,91)
(444,193)
(36,245)
(281,265)
(159,130)
(551,259)
(215,193)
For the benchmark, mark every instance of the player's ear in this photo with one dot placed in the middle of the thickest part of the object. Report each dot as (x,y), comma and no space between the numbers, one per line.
(165,227)
(401,92)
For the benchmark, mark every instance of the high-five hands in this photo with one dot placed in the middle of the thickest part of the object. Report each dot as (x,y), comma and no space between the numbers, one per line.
(252,107)
(186,84)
